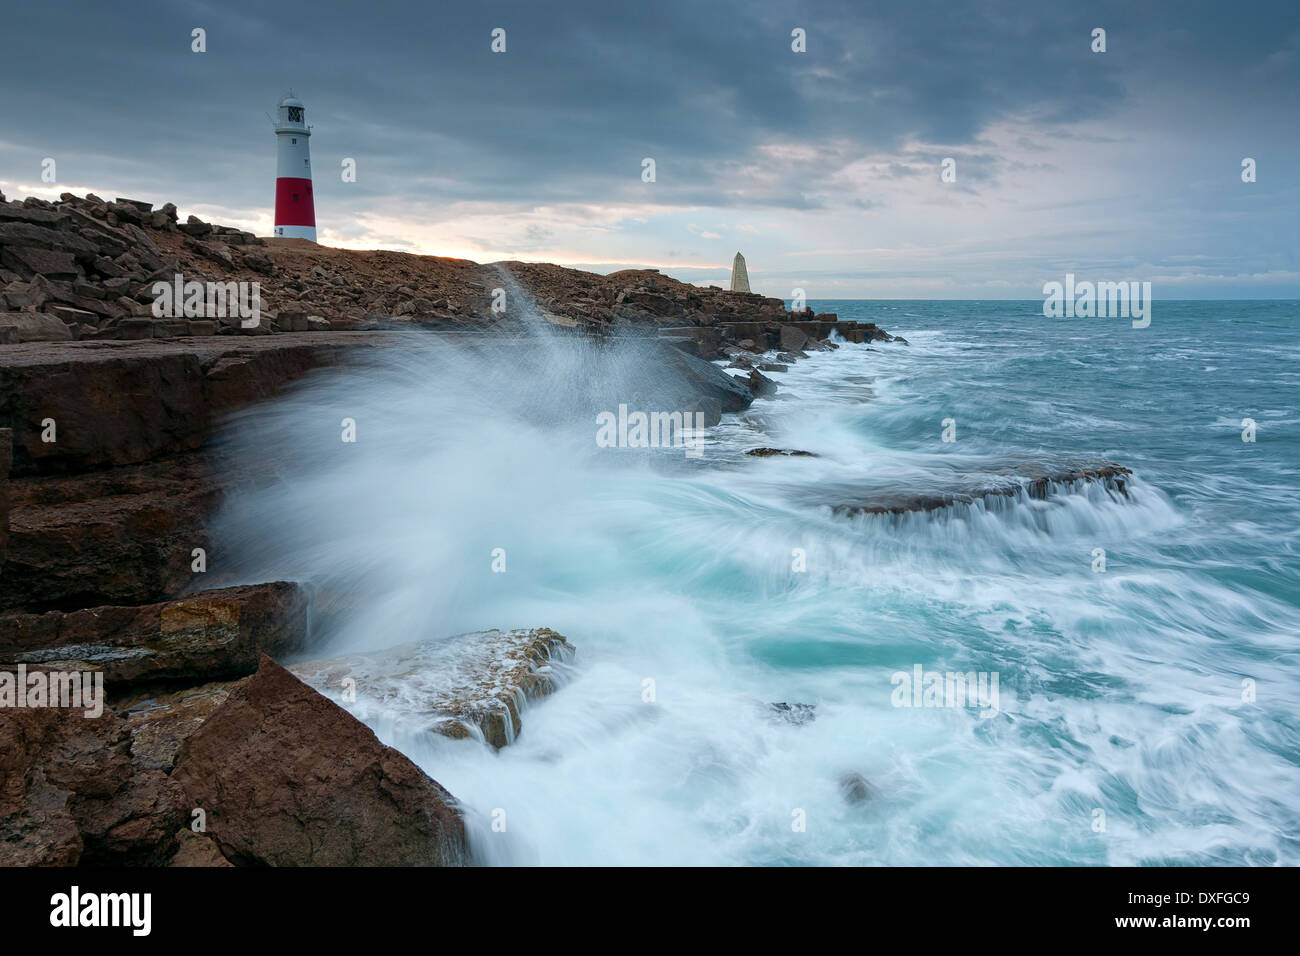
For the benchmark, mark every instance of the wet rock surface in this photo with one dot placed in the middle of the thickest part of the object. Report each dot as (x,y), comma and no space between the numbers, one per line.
(213,634)
(287,777)
(1034,480)
(473,684)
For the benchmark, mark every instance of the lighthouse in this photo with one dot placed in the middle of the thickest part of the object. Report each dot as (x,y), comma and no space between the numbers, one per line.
(295,213)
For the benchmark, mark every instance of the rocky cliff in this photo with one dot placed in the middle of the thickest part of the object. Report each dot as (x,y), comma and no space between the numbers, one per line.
(107,481)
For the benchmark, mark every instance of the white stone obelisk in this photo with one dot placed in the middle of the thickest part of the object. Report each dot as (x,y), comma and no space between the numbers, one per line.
(739,275)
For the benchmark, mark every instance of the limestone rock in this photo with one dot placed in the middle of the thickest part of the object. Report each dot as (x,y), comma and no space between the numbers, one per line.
(288,778)
(210,635)
(70,794)
(470,684)
(35,327)
(160,722)
(196,849)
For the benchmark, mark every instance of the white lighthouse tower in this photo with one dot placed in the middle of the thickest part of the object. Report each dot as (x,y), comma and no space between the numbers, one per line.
(295,212)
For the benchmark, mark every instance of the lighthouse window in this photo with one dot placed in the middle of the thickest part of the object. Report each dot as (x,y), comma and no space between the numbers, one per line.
(294,140)
(295,114)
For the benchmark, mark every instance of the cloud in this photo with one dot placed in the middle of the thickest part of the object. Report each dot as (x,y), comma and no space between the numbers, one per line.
(537,152)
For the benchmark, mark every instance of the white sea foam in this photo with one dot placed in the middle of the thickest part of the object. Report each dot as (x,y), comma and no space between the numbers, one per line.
(1120,690)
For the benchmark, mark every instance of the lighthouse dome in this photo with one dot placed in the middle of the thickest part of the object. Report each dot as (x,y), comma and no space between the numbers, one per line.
(292,116)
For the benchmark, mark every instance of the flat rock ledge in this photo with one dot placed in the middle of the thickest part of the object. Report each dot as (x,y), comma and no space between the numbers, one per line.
(207,636)
(1033,483)
(470,685)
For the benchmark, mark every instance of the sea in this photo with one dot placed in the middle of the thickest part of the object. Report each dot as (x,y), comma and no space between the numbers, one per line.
(762,678)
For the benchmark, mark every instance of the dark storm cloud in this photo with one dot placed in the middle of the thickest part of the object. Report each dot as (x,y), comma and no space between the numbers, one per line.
(584,92)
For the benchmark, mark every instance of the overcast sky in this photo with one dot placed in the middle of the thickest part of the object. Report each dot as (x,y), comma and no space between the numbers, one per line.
(823,167)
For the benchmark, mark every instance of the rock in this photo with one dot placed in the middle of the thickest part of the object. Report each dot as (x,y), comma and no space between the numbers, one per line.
(30,261)
(288,778)
(773,367)
(135,329)
(208,636)
(259,262)
(1030,479)
(743,360)
(194,226)
(18,212)
(760,385)
(70,794)
(117,536)
(196,849)
(471,684)
(35,327)
(144,400)
(702,379)
(792,339)
(795,714)
(160,723)
(769,452)
(853,788)
(291,321)
(138,204)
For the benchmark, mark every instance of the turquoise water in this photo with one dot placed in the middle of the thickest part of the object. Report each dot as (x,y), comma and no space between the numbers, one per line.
(698,591)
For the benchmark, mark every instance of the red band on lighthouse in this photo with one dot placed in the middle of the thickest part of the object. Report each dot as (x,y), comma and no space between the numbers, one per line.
(293,205)
(295,211)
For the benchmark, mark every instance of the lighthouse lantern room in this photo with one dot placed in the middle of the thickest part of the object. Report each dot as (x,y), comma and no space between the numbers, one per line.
(295,213)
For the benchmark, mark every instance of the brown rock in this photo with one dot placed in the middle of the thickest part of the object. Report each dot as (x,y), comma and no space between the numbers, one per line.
(792,339)
(117,536)
(196,849)
(288,778)
(35,327)
(211,635)
(69,793)
(29,262)
(133,402)
(160,723)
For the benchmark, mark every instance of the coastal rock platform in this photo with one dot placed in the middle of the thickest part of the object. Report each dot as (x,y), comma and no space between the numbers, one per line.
(473,684)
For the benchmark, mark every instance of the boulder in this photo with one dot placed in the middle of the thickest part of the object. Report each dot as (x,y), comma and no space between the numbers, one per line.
(770,452)
(792,338)
(760,385)
(854,788)
(701,379)
(28,261)
(288,778)
(35,327)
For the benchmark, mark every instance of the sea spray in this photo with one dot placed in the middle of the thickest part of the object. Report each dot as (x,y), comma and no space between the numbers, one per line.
(1118,691)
